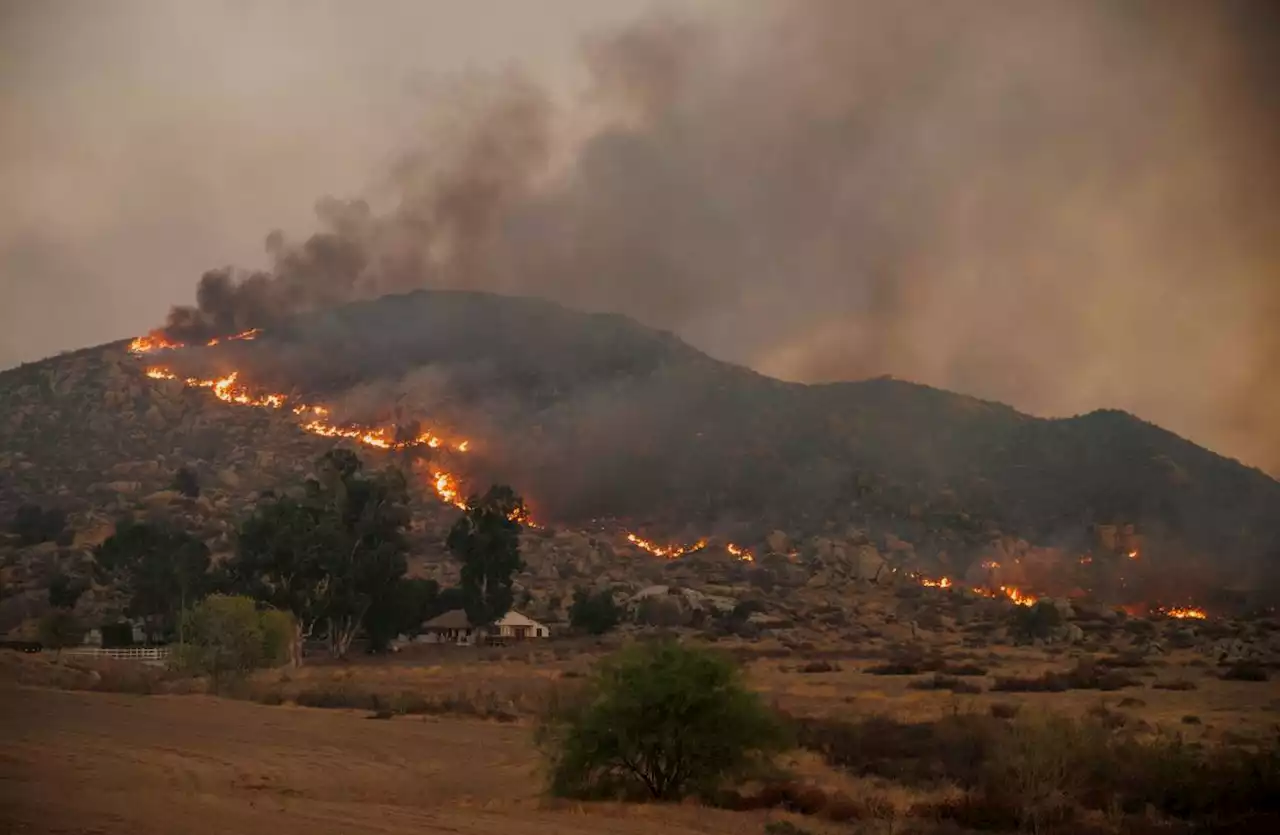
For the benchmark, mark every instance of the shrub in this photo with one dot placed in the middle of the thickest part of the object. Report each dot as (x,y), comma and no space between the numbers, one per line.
(1084,676)
(820,667)
(34,524)
(657,719)
(224,638)
(594,614)
(1040,621)
(1245,671)
(186,482)
(1005,710)
(277,637)
(941,682)
(1177,684)
(60,628)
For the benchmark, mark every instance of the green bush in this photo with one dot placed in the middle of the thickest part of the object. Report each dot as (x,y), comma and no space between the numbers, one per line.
(1041,621)
(60,628)
(657,719)
(277,637)
(224,638)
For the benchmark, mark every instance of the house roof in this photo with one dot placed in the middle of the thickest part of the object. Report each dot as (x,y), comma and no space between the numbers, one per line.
(453,619)
(516,619)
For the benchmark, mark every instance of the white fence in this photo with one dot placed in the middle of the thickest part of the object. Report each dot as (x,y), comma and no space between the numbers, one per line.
(158,654)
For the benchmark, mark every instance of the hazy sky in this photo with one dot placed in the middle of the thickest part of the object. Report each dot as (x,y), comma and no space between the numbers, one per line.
(1063,205)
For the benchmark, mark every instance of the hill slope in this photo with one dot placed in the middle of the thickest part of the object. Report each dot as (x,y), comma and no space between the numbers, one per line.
(598,420)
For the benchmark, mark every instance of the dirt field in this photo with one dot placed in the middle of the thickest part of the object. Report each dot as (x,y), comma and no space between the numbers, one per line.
(81,763)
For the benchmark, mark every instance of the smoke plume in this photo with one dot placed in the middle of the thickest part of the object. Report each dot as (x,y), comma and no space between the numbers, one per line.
(1060,205)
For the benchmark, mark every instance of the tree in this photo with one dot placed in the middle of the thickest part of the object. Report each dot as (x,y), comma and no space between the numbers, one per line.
(330,556)
(65,592)
(34,524)
(660,719)
(164,570)
(186,482)
(60,628)
(595,614)
(487,542)
(407,603)
(225,638)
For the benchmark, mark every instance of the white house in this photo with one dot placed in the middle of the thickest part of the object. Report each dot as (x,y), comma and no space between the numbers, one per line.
(517,626)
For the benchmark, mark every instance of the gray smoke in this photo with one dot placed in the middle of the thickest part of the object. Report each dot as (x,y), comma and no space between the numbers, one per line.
(1061,205)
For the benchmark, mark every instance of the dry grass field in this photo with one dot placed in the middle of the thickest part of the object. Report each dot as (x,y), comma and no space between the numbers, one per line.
(117,764)
(456,753)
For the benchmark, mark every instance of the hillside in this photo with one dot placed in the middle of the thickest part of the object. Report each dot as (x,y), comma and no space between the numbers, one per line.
(607,426)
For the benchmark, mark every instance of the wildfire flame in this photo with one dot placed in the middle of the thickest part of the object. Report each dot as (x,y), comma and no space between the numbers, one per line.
(944,583)
(671,552)
(1184,613)
(153,342)
(741,553)
(447,489)
(1017,596)
(1133,555)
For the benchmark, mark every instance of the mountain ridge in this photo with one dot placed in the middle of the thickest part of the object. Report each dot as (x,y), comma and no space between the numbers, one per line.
(602,421)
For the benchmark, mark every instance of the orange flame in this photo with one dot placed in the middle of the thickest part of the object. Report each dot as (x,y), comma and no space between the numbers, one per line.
(741,553)
(944,583)
(1184,613)
(671,552)
(1133,555)
(447,489)
(1017,596)
(151,343)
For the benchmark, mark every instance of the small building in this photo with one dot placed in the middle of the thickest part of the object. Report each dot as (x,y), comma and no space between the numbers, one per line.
(518,627)
(454,627)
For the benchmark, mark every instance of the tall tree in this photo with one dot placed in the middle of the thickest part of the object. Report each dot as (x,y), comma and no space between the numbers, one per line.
(164,569)
(330,555)
(486,540)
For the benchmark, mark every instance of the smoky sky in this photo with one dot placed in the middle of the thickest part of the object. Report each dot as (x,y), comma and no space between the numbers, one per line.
(1060,205)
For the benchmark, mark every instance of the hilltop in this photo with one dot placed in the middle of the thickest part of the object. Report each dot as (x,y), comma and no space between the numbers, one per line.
(608,426)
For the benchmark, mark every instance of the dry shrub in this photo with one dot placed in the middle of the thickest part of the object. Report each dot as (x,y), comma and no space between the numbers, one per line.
(1040,771)
(1245,671)
(820,667)
(941,682)
(1177,684)
(1086,675)
(1005,710)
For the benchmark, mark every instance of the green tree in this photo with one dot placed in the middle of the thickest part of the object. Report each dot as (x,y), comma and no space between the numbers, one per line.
(595,614)
(65,592)
(486,540)
(330,556)
(34,524)
(406,604)
(164,571)
(186,482)
(659,719)
(225,638)
(60,628)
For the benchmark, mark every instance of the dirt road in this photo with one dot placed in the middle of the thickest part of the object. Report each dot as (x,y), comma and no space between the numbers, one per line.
(82,763)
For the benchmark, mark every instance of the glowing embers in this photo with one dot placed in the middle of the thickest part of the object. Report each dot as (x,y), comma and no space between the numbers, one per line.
(1184,613)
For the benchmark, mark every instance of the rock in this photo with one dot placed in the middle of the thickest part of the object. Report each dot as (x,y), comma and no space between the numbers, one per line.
(778,542)
(229,478)
(124,486)
(162,498)
(868,565)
